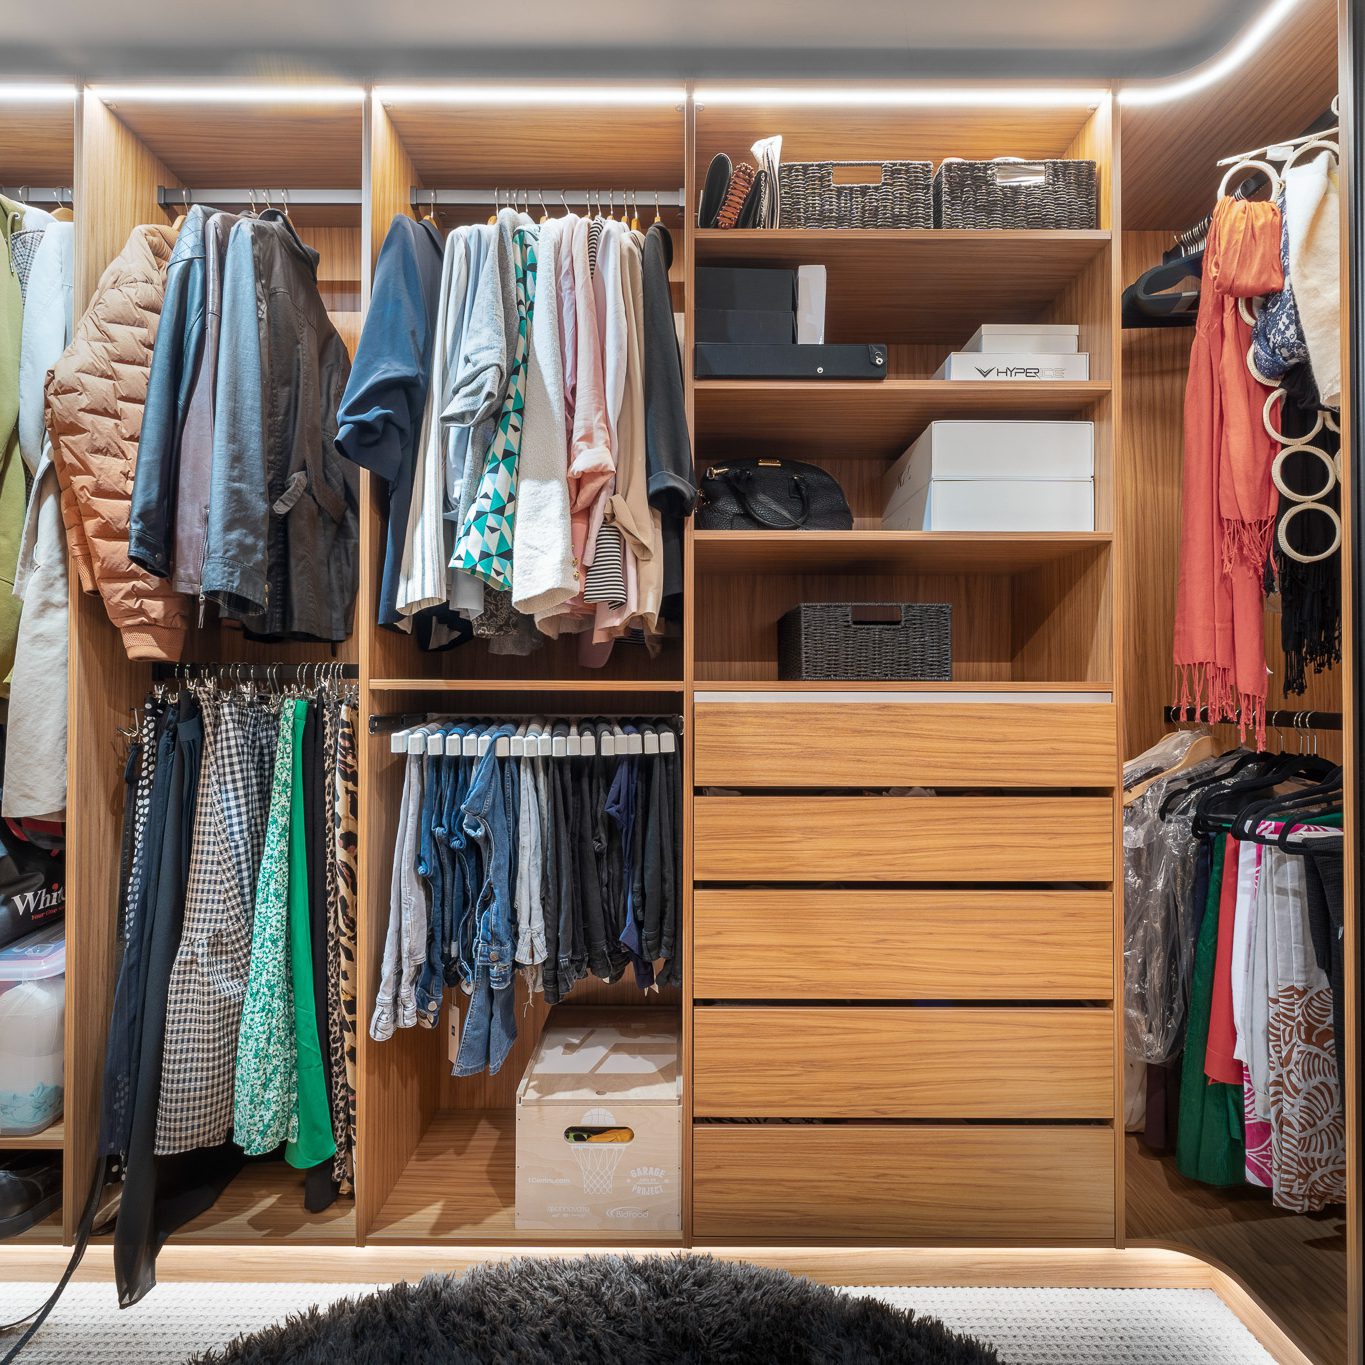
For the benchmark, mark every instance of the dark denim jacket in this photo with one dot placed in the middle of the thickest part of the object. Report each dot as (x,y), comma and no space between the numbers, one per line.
(175,364)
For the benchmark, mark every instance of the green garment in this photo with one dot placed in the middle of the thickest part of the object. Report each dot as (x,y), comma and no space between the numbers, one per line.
(265,1100)
(314,1142)
(12,491)
(1211,1138)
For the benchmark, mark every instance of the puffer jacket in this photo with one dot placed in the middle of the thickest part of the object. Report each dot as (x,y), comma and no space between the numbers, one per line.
(95,395)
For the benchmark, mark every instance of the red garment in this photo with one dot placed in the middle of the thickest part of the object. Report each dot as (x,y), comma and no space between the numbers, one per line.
(1229,500)
(1219,1062)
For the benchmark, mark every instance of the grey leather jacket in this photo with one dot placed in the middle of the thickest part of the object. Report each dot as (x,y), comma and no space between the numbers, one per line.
(283,527)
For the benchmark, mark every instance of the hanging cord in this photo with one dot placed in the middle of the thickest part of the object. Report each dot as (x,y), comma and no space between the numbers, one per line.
(82,1240)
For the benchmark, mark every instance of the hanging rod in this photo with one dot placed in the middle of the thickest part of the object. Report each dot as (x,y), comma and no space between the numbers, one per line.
(38,194)
(172,196)
(1274,720)
(419,195)
(162,672)
(385,724)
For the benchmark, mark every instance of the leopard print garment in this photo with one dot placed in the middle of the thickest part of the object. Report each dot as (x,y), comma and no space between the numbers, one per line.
(341,936)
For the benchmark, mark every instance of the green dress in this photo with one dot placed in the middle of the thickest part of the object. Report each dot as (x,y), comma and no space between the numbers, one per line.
(314,1141)
(1211,1137)
(265,1100)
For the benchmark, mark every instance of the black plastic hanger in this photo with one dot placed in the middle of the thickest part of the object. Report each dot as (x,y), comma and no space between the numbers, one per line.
(1152,301)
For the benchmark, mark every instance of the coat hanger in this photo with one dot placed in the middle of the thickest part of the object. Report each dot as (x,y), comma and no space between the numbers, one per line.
(493,217)
(635,212)
(63,212)
(544,212)
(184,210)
(658,215)
(1204,747)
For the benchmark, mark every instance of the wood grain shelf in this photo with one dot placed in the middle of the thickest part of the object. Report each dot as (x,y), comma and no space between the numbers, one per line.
(585,683)
(872,420)
(709,685)
(460,1185)
(265,1204)
(51,1139)
(801,552)
(917,284)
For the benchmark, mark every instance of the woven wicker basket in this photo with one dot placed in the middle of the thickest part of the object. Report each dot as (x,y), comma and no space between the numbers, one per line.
(900,195)
(1009,193)
(866,642)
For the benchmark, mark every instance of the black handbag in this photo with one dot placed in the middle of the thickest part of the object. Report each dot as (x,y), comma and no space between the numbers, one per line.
(771,495)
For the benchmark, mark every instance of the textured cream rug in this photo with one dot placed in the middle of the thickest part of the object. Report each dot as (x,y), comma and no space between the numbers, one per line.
(1027,1326)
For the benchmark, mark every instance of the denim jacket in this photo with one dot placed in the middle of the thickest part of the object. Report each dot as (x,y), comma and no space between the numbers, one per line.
(175,365)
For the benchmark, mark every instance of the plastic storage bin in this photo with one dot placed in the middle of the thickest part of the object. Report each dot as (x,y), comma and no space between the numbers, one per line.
(32,1015)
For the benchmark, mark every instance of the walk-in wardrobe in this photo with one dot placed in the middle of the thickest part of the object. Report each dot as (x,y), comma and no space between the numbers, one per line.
(902,903)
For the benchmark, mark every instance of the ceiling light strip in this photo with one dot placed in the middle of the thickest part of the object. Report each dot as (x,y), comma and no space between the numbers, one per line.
(918,96)
(228,94)
(37,92)
(499,96)
(1232,57)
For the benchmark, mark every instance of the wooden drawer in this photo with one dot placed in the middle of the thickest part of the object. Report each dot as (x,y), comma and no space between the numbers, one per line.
(952,1184)
(902,744)
(935,945)
(914,1062)
(903,838)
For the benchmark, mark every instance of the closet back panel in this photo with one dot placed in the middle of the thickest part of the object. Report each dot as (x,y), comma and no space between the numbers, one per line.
(1052,623)
(840,132)
(250,144)
(556,146)
(37,143)
(897,1182)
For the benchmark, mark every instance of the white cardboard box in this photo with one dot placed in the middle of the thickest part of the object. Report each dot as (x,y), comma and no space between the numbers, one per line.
(996,505)
(993,450)
(618,1072)
(996,365)
(810,305)
(1014,338)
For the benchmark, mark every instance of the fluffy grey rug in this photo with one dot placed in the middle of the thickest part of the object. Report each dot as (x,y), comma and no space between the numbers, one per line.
(607,1310)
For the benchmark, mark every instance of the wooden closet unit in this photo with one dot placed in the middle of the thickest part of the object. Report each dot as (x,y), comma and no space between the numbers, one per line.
(902,998)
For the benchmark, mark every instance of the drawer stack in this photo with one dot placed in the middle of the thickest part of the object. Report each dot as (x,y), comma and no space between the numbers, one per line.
(903,1004)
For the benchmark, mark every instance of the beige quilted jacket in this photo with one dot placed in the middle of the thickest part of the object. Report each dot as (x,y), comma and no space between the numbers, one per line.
(95,395)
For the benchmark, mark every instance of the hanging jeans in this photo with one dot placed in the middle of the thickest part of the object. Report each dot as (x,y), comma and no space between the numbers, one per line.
(431,982)
(490,1026)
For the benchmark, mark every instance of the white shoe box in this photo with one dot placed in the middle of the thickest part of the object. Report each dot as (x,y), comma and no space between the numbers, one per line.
(998,365)
(996,505)
(1015,338)
(992,450)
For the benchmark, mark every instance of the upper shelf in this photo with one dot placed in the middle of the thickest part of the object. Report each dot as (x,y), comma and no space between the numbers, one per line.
(924,552)
(37,143)
(876,419)
(918,284)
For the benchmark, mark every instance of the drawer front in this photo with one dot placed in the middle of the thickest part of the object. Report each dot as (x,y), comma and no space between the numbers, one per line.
(868,1181)
(882,1062)
(902,744)
(929,945)
(903,838)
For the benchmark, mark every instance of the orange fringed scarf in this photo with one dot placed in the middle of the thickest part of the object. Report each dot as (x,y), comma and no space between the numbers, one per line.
(1229,501)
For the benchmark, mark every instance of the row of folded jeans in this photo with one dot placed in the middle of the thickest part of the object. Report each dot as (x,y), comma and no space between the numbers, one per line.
(549,848)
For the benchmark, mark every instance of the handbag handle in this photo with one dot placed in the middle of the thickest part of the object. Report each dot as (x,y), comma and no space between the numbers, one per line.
(754,505)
